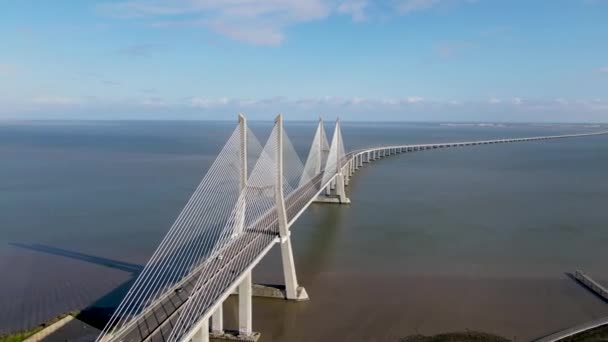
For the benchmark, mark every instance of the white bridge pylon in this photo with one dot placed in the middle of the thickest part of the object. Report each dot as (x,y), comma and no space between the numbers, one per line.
(245,204)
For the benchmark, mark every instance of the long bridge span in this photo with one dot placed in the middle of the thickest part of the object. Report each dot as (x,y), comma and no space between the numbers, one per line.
(245,205)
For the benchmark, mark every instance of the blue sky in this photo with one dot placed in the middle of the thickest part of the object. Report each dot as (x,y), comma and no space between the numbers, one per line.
(416,60)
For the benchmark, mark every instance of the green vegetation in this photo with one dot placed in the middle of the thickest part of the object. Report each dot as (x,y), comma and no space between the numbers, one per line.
(469,336)
(22,335)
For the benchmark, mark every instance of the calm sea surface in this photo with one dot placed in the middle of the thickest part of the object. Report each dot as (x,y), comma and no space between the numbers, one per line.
(475,238)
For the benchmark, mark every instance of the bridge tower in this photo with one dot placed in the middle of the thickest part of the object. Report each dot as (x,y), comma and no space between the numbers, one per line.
(334,171)
(245,287)
(339,148)
(292,290)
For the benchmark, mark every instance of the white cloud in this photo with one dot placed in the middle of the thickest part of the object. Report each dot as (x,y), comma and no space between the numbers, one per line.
(494,100)
(350,108)
(354,8)
(260,22)
(408,6)
(414,99)
(201,102)
(258,34)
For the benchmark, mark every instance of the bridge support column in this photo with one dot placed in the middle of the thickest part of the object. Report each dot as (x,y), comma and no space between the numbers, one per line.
(245,295)
(340,191)
(217,321)
(202,335)
(348,175)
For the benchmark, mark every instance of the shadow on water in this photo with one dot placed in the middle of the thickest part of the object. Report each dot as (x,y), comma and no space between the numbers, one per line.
(99,312)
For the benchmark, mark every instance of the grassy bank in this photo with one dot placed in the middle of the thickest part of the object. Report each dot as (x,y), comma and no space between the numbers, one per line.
(19,336)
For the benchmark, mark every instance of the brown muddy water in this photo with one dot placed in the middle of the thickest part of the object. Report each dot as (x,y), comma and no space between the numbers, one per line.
(476,238)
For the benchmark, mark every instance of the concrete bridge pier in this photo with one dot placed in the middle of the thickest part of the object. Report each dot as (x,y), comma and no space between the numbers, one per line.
(348,174)
(202,335)
(340,191)
(217,321)
(245,305)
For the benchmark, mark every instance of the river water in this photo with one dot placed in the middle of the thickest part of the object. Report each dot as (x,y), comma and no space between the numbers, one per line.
(477,238)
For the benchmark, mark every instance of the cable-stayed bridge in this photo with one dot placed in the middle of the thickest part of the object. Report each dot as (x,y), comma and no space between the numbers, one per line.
(245,204)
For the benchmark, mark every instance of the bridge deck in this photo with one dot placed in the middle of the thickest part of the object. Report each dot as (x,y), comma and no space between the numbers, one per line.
(157,321)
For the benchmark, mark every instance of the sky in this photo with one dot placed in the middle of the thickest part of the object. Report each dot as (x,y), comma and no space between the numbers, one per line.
(397,60)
